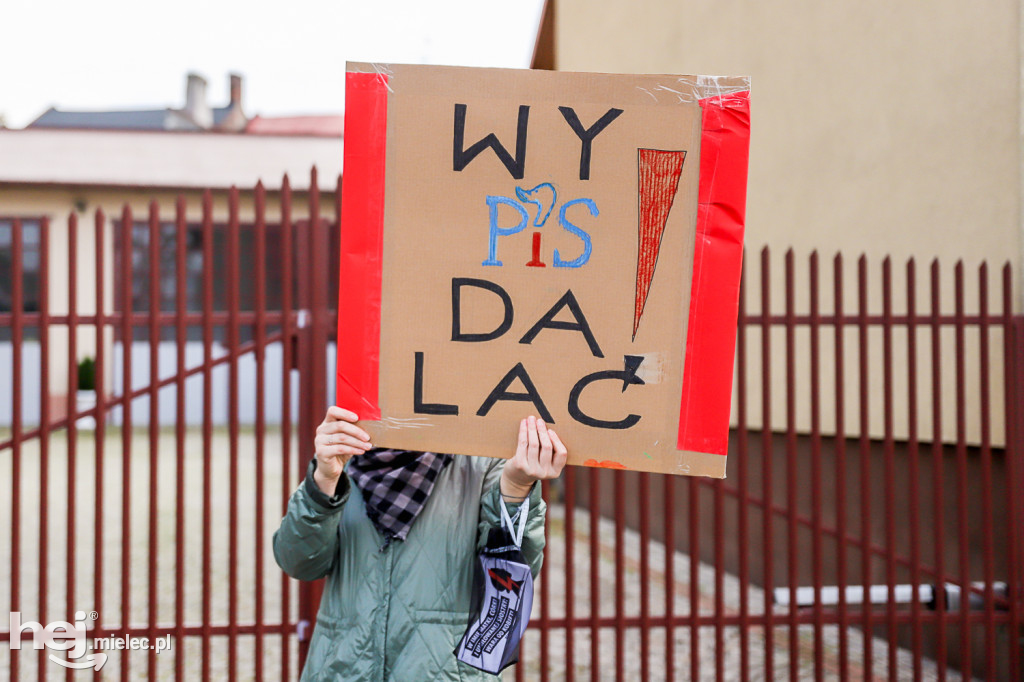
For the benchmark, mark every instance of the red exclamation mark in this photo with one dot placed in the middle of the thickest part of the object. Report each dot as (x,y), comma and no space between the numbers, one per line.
(659,173)
(536,262)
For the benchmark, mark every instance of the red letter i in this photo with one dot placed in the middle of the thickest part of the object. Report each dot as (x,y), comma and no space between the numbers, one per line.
(536,262)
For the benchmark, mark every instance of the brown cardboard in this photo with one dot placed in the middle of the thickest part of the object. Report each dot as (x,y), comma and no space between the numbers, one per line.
(437,228)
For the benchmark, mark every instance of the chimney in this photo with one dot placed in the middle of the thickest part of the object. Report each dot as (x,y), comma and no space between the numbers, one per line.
(196,106)
(236,90)
(234,119)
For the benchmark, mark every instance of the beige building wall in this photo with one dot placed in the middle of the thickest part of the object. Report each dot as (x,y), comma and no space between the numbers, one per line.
(878,128)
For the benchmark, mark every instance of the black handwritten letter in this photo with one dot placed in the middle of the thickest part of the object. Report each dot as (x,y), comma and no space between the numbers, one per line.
(501,392)
(631,363)
(506,323)
(580,325)
(587,136)
(420,407)
(462,156)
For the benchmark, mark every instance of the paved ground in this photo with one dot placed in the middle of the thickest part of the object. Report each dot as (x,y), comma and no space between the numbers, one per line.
(78,523)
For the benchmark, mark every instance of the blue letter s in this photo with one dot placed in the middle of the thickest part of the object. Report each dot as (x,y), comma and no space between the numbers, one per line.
(584,236)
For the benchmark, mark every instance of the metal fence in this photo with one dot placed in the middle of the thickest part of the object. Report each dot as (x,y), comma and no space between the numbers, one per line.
(154,532)
(870,549)
(869,527)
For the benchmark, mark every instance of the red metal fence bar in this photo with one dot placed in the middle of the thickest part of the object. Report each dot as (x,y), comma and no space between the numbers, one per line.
(914,466)
(743,507)
(767,540)
(707,620)
(865,460)
(44,422)
(693,499)
(1013,393)
(545,606)
(233,243)
(260,426)
(595,585)
(569,475)
(166,319)
(127,335)
(720,572)
(619,491)
(804,617)
(154,424)
(840,467)
(207,430)
(670,571)
(644,487)
(17,305)
(306,419)
(988,547)
(180,336)
(817,479)
(938,519)
(961,461)
(100,323)
(890,467)
(72,447)
(287,363)
(792,555)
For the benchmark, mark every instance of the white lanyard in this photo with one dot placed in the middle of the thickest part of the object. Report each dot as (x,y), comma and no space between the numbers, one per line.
(517,534)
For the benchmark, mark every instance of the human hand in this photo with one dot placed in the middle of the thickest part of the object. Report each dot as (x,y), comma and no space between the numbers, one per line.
(337,440)
(540,455)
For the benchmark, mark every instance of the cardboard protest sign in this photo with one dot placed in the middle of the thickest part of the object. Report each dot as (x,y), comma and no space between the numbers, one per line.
(559,244)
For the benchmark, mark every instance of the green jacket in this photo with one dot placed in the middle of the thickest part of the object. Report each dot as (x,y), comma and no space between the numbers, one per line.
(397,613)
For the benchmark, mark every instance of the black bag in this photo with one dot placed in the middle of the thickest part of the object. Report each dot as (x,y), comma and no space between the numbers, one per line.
(502,599)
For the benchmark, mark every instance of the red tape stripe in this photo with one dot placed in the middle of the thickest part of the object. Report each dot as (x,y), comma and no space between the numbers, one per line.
(362,231)
(717,259)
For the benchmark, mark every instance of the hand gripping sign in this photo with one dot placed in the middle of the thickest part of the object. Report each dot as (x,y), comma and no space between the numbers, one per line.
(560,244)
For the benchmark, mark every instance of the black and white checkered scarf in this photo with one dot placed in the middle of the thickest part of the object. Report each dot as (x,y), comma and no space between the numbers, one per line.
(395,486)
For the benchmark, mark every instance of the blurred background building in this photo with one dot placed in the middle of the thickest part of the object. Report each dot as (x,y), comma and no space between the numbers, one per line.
(75,162)
(876,128)
(879,128)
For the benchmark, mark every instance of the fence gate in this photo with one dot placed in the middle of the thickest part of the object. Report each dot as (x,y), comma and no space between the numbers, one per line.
(147,511)
(868,528)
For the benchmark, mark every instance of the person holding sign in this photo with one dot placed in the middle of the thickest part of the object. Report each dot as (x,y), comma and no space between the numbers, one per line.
(400,557)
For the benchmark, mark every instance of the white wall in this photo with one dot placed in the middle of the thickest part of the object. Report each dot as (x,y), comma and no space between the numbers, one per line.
(30,363)
(167,396)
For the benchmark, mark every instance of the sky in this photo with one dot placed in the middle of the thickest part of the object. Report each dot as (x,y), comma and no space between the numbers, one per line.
(135,54)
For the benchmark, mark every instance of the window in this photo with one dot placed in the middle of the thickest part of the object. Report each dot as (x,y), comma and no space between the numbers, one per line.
(30,232)
(194,283)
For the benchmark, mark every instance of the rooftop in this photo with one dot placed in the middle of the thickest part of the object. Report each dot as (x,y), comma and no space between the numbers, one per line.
(195,116)
(317,126)
(157,158)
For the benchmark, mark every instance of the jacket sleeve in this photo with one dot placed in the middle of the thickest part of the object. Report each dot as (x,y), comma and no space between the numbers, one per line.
(307,542)
(490,517)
